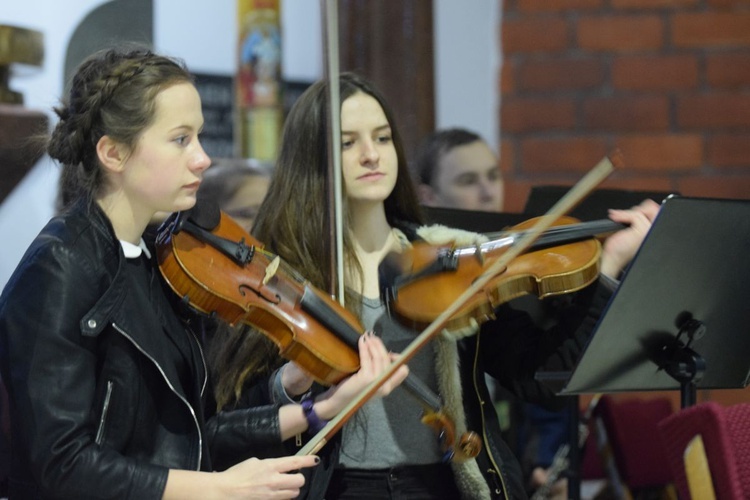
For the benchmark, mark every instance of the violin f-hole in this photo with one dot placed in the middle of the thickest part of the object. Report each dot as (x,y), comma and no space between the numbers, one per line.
(263,291)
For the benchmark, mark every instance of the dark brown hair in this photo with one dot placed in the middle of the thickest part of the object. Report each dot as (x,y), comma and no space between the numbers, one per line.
(293,218)
(437,145)
(112,93)
(292,222)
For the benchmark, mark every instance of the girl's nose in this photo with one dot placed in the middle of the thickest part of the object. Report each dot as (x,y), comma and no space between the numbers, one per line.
(201,161)
(369,153)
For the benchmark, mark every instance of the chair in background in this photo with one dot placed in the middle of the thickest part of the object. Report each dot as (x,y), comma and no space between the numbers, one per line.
(629,428)
(725,433)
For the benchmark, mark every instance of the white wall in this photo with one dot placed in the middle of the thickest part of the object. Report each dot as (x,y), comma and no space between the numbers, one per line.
(203,34)
(30,205)
(467,62)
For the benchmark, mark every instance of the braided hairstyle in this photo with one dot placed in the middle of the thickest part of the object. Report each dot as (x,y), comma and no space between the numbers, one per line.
(112,93)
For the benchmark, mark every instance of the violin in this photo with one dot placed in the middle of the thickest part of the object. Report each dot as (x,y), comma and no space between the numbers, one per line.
(219,269)
(421,282)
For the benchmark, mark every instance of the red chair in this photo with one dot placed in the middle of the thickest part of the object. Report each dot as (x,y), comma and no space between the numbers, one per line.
(630,428)
(726,438)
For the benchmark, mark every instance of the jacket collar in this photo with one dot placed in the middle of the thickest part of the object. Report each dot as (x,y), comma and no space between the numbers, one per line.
(106,242)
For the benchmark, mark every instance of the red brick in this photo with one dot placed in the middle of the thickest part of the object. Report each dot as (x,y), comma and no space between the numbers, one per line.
(627,113)
(618,180)
(507,78)
(724,110)
(516,194)
(509,7)
(711,29)
(734,187)
(727,3)
(728,70)
(626,33)
(729,150)
(568,154)
(507,156)
(530,114)
(662,151)
(535,35)
(655,72)
(557,5)
(653,4)
(560,74)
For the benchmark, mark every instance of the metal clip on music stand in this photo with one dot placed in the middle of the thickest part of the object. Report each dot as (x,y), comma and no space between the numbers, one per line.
(679,318)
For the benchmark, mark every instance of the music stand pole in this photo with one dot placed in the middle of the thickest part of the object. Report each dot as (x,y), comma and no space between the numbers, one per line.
(574,450)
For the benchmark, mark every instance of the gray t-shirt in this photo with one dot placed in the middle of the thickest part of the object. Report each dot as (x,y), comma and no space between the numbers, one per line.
(388,431)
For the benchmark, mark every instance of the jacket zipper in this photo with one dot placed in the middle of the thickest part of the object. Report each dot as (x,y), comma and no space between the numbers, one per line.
(496,469)
(203,361)
(105,409)
(190,408)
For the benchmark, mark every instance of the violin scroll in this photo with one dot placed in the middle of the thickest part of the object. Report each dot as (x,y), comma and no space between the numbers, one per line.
(468,446)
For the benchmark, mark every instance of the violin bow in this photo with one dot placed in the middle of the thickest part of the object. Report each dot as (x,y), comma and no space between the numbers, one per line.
(335,188)
(566,203)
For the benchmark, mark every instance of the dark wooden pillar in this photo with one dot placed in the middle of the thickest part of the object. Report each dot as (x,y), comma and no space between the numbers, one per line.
(19,147)
(19,126)
(390,43)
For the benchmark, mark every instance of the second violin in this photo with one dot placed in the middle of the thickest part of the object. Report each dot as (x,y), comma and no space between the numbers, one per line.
(424,280)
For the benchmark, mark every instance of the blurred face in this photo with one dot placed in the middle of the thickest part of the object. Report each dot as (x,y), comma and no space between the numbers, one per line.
(368,156)
(468,177)
(165,168)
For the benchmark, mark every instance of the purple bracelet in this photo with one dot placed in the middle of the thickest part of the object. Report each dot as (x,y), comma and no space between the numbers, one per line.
(314,422)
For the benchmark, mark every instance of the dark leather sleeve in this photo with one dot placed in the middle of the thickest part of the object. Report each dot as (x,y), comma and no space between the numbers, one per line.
(236,435)
(50,371)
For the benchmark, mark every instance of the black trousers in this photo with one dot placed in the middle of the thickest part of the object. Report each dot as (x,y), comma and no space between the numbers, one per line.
(410,482)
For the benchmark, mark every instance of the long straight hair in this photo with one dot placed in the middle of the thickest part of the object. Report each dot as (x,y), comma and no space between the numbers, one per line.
(292,223)
(292,218)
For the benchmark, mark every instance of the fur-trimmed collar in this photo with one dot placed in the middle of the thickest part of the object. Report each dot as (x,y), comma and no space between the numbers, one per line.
(469,478)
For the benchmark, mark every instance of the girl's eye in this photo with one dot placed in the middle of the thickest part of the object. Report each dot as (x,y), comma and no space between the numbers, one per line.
(384,138)
(346,143)
(181,140)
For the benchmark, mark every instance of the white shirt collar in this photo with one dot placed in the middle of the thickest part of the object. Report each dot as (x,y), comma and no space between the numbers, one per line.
(134,251)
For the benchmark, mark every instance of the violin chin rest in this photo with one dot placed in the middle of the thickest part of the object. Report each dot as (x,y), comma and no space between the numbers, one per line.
(205,214)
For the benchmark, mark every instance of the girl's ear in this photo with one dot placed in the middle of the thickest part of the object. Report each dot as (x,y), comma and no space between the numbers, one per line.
(111,154)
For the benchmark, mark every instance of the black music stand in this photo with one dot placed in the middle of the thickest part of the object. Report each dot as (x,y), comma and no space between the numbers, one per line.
(594,206)
(679,319)
(472,220)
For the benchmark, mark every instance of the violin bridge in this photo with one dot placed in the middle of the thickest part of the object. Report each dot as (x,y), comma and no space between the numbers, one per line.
(478,253)
(271,269)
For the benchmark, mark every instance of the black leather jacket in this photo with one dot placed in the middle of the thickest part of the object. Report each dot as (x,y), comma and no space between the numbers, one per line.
(97,407)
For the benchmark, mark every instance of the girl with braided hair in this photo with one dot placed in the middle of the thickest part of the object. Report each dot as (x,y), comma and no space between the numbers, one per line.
(106,377)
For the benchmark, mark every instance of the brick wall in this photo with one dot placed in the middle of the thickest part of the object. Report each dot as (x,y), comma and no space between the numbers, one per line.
(666,81)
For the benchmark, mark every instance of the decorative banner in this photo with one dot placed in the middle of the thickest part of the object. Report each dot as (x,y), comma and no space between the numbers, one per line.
(258,84)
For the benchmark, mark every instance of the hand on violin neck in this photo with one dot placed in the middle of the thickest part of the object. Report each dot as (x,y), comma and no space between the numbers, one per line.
(621,247)
(374,360)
